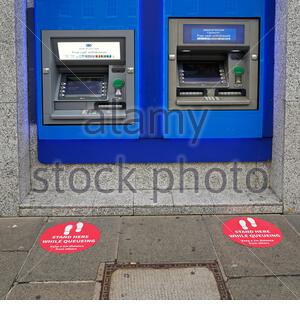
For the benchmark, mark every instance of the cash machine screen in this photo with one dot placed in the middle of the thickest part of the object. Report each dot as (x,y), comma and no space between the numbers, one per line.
(201,72)
(213,33)
(89,50)
(83,85)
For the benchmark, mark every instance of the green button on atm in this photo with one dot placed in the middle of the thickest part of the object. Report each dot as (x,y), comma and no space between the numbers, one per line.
(118,84)
(239,71)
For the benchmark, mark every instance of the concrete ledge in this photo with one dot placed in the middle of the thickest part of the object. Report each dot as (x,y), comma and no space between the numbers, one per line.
(149,203)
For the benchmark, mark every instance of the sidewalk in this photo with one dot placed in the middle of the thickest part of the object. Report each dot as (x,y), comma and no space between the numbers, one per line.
(29,272)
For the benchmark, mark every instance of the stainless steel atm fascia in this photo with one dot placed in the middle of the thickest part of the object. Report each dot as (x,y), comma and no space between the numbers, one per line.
(51,77)
(251,62)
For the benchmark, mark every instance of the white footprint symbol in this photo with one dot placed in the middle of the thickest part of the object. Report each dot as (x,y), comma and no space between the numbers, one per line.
(68,229)
(79,226)
(243,224)
(252,221)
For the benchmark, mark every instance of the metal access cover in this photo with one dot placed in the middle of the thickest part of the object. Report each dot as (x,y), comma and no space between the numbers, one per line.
(163,282)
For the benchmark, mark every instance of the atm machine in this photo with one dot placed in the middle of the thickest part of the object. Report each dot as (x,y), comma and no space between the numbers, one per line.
(213,64)
(87,78)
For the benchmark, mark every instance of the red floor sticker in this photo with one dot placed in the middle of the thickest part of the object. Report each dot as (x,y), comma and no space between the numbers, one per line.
(70,237)
(252,232)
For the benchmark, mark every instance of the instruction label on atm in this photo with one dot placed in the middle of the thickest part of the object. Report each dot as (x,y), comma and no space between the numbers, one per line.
(214,34)
(89,50)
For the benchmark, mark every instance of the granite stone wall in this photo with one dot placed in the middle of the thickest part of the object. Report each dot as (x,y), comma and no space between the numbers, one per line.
(285,171)
(14,137)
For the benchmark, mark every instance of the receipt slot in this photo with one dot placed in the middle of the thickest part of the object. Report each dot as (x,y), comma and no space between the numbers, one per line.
(213,64)
(88,75)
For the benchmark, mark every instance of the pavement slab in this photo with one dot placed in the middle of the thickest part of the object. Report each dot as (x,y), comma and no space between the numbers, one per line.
(52,291)
(240,261)
(10,263)
(44,266)
(19,234)
(164,239)
(195,283)
(265,288)
(294,221)
(252,273)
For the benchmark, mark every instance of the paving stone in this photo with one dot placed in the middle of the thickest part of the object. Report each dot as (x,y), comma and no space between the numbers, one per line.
(52,291)
(150,198)
(238,261)
(151,202)
(114,204)
(165,174)
(53,199)
(190,202)
(114,199)
(265,288)
(10,264)
(265,202)
(155,211)
(267,197)
(19,234)
(195,283)
(231,202)
(44,266)
(57,212)
(76,212)
(191,198)
(112,211)
(294,220)
(164,239)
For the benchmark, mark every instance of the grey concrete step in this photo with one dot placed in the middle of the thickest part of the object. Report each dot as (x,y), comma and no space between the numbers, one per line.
(149,202)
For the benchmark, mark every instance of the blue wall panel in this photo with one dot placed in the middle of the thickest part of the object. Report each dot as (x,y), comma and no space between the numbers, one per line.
(224,136)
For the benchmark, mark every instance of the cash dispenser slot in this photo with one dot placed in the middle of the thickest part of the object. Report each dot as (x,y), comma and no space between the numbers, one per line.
(230,92)
(191,92)
(110,105)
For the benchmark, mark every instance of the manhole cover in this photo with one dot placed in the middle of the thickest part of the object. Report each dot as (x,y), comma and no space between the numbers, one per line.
(163,282)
